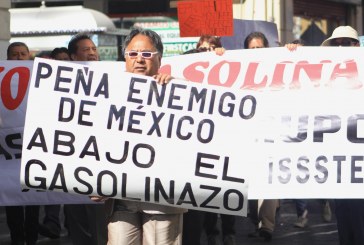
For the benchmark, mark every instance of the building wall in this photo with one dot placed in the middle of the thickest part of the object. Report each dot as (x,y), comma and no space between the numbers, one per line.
(5,27)
(100,5)
(279,12)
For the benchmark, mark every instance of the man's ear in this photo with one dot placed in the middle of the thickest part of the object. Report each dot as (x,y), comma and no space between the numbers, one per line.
(73,56)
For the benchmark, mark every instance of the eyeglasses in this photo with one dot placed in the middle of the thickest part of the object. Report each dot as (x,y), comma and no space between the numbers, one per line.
(144,54)
(344,42)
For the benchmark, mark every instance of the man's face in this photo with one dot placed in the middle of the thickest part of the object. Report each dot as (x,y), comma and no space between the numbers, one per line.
(86,51)
(140,65)
(19,53)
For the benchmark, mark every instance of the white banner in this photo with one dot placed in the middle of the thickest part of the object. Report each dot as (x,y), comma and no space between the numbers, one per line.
(14,81)
(109,133)
(307,124)
(309,117)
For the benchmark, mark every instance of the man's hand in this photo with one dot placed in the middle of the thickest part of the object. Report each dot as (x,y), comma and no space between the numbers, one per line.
(219,51)
(292,46)
(162,78)
(98,198)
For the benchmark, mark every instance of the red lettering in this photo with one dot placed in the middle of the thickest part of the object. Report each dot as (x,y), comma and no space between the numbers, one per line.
(233,72)
(286,74)
(191,73)
(6,97)
(350,71)
(277,80)
(249,82)
(313,71)
(165,69)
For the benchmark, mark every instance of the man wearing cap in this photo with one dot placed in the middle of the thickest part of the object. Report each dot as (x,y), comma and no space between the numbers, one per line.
(349,212)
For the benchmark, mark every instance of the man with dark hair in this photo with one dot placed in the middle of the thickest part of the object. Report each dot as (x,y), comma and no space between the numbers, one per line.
(22,220)
(86,222)
(60,54)
(133,222)
(18,51)
(256,40)
(51,225)
(261,212)
(82,48)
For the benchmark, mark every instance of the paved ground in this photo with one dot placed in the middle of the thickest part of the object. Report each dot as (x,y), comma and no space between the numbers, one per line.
(316,233)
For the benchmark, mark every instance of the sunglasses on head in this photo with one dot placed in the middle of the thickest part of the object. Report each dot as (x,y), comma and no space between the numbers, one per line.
(344,42)
(144,54)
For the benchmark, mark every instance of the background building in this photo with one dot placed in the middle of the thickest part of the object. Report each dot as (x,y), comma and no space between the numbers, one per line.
(44,28)
(310,20)
(4,27)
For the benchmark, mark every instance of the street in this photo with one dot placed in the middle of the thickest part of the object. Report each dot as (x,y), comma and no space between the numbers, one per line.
(316,233)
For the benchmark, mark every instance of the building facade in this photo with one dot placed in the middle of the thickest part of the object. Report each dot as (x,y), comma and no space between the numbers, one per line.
(5,27)
(309,20)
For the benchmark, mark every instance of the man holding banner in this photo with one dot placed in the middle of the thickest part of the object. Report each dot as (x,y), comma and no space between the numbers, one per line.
(133,222)
(86,222)
(22,220)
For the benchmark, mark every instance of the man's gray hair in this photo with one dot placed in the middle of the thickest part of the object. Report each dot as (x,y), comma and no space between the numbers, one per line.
(152,35)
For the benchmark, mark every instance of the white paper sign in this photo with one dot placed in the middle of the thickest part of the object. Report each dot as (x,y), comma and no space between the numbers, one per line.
(96,130)
(309,117)
(14,81)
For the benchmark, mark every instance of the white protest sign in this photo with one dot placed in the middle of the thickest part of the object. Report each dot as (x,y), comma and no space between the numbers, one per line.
(302,162)
(309,116)
(96,130)
(14,81)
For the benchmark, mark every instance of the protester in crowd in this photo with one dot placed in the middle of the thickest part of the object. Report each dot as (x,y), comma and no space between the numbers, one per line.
(86,222)
(82,48)
(194,222)
(133,222)
(210,43)
(22,220)
(349,212)
(301,205)
(256,40)
(51,225)
(18,51)
(263,212)
(60,54)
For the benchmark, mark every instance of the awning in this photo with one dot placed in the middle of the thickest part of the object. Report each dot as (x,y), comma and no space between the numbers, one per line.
(69,20)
